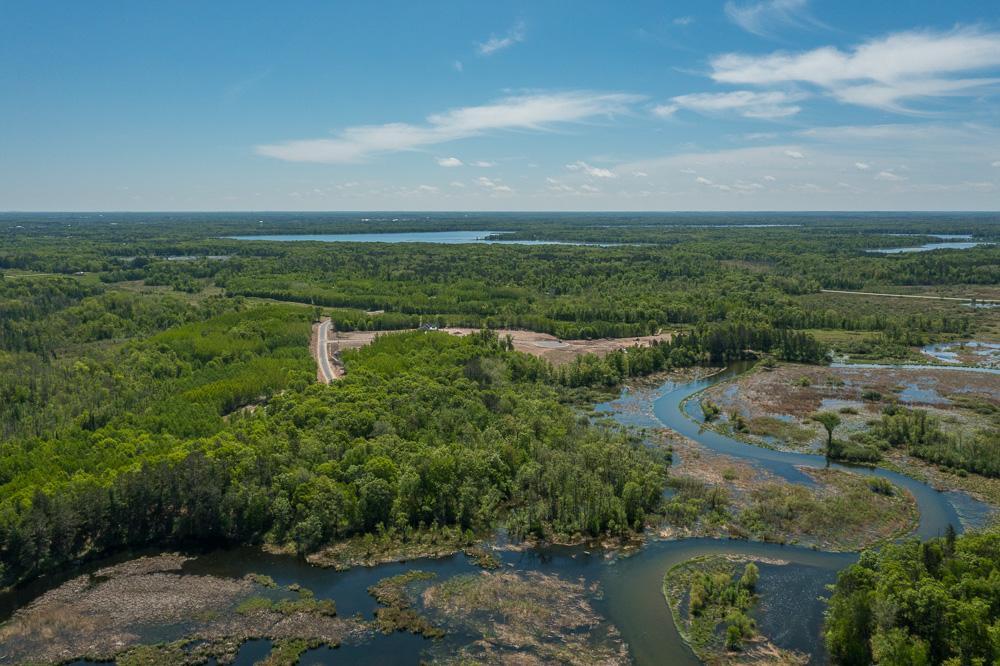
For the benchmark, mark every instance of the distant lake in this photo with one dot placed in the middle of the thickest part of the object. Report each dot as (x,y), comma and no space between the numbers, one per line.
(928,247)
(445,237)
(956,243)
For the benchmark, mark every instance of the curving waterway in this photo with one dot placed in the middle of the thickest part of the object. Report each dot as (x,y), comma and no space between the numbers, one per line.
(632,599)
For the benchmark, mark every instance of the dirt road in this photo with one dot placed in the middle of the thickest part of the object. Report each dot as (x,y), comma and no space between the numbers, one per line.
(326,370)
(932,298)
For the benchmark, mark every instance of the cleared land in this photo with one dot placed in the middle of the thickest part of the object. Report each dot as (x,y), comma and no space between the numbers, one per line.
(542,345)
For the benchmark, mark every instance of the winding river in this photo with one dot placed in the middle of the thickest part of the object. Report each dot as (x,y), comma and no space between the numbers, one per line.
(632,599)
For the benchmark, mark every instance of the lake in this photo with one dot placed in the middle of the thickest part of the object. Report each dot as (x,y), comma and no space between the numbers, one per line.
(948,242)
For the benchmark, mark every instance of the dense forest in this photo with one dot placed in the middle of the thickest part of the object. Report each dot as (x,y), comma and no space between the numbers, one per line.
(916,603)
(157,388)
(679,271)
(425,430)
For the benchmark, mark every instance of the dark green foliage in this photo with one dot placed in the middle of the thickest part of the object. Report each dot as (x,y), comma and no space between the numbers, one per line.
(708,344)
(919,603)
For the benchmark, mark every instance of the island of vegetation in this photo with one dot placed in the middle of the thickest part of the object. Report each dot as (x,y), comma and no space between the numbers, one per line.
(712,599)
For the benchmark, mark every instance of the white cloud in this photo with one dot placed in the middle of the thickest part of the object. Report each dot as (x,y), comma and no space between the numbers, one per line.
(770,179)
(747,103)
(763,18)
(457,183)
(639,174)
(483,164)
(494,43)
(665,110)
(996,164)
(889,176)
(879,73)
(449,162)
(794,154)
(711,183)
(427,189)
(907,132)
(683,20)
(559,186)
(862,166)
(592,171)
(494,186)
(458,66)
(527,112)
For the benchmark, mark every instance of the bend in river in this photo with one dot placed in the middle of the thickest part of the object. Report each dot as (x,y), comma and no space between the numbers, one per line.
(632,599)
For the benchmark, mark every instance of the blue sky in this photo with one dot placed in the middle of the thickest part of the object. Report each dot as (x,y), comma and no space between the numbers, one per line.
(740,105)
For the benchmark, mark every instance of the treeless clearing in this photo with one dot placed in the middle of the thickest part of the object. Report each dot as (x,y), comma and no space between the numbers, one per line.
(543,345)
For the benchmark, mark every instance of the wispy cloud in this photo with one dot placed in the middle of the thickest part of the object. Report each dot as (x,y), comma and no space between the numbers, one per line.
(537,112)
(494,44)
(560,188)
(747,103)
(701,180)
(449,162)
(665,110)
(594,172)
(237,89)
(765,18)
(683,20)
(880,73)
(493,185)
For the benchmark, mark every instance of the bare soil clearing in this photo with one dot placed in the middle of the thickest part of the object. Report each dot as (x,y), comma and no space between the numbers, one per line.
(543,345)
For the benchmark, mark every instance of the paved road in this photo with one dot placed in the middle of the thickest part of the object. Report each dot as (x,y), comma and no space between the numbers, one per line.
(933,298)
(323,351)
